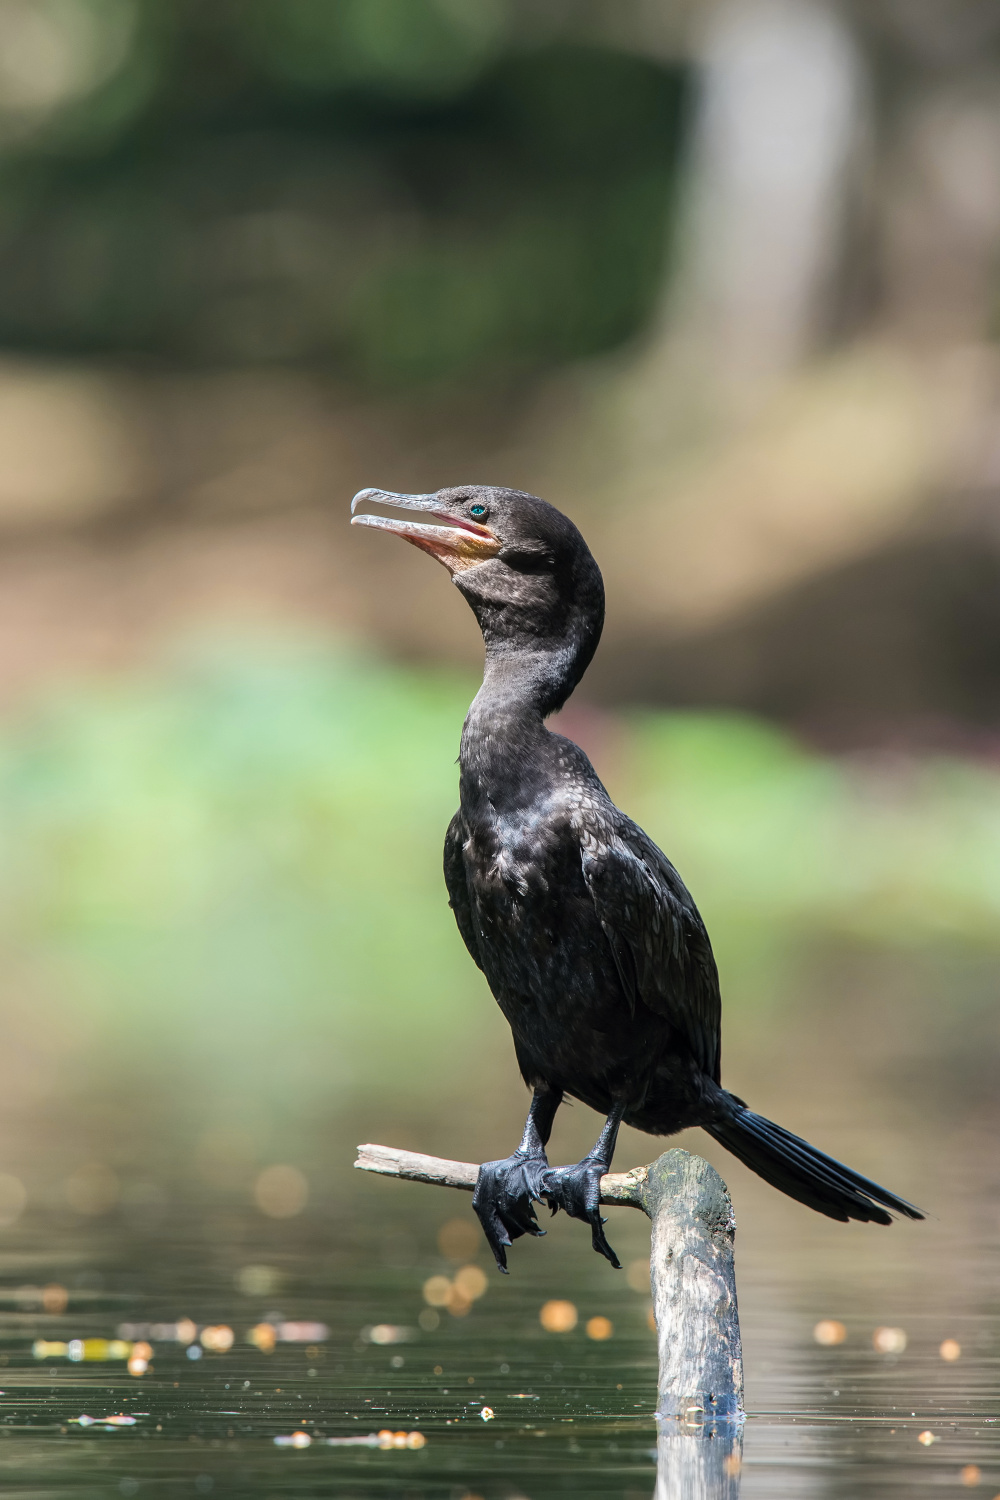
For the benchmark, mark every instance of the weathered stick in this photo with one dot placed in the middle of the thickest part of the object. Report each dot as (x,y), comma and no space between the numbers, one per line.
(693,1282)
(621,1188)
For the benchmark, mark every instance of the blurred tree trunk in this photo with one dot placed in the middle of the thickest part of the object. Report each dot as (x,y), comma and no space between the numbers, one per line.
(779,125)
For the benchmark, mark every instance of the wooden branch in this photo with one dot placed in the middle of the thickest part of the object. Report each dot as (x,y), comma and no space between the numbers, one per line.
(619,1189)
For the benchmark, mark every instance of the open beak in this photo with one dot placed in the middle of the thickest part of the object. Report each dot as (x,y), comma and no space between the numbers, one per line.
(459,544)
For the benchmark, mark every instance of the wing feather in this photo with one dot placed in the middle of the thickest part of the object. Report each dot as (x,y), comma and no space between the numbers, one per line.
(661,949)
(458,887)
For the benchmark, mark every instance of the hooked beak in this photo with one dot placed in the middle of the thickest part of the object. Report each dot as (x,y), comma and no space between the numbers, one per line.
(459,545)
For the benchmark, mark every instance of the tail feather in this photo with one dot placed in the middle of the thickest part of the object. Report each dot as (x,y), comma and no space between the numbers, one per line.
(794,1167)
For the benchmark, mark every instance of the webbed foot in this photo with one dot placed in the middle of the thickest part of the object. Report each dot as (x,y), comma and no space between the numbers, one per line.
(577,1191)
(503,1199)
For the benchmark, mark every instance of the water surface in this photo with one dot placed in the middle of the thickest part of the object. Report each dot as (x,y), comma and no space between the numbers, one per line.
(501,1406)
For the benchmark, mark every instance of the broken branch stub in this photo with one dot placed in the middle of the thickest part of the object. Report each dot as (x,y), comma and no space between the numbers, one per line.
(693,1279)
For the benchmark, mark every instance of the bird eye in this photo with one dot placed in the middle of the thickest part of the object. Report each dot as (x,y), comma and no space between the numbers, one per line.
(477,510)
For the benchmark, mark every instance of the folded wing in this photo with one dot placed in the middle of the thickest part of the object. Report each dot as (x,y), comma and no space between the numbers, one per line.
(658,939)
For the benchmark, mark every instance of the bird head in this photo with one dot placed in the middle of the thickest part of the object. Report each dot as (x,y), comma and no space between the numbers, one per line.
(523,566)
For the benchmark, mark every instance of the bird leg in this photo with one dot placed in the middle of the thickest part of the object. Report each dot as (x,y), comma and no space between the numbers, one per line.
(577,1190)
(505,1189)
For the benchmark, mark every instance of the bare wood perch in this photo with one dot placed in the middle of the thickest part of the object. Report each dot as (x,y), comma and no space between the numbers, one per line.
(693,1282)
(623,1189)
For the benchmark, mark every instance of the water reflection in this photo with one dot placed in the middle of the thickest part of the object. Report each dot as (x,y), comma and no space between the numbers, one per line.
(703,1465)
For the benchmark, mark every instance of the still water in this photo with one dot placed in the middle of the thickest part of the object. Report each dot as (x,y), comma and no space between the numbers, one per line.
(303,1358)
(365,1347)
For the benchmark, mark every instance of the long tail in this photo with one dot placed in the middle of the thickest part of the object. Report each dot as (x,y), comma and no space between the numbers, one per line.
(794,1167)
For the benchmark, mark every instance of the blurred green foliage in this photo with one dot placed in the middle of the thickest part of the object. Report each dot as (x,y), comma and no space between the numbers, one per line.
(396,190)
(887,849)
(233,867)
(242,857)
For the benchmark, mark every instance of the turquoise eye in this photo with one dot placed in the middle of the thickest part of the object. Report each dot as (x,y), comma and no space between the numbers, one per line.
(477,510)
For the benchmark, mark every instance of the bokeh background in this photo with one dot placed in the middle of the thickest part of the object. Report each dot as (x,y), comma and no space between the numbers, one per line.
(720,280)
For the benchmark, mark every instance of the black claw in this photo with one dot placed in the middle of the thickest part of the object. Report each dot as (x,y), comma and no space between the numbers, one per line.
(601,1245)
(577,1191)
(503,1201)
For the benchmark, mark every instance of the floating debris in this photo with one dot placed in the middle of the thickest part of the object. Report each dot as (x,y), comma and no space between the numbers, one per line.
(927,1437)
(889,1340)
(264,1337)
(387,1439)
(118,1421)
(487,1414)
(558,1317)
(217,1338)
(600,1329)
(89,1350)
(371,1441)
(49,1349)
(387,1333)
(971,1475)
(829,1332)
(384,1440)
(132,1343)
(181,1332)
(98,1349)
(302,1333)
(950,1350)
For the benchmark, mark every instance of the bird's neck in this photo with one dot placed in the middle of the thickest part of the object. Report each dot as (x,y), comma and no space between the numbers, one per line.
(505,728)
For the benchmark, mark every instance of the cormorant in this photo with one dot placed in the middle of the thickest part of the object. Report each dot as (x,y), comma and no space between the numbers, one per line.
(588,937)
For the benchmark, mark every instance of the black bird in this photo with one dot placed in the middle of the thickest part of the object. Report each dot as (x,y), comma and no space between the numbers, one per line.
(588,937)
